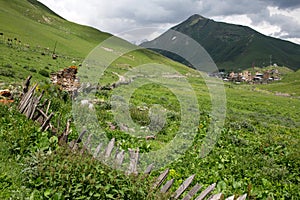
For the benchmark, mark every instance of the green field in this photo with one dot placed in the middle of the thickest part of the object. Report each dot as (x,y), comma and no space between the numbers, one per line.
(256,153)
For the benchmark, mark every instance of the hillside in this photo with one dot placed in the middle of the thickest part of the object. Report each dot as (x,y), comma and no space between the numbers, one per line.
(34,24)
(34,31)
(235,47)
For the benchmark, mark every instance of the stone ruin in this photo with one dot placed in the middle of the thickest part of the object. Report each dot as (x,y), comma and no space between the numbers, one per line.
(66,79)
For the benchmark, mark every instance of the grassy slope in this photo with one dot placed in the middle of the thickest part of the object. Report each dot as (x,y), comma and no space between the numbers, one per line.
(289,85)
(36,25)
(32,23)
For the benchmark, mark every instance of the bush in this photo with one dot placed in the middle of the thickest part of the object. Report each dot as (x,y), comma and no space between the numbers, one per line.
(8,73)
(44,73)
(33,70)
(8,66)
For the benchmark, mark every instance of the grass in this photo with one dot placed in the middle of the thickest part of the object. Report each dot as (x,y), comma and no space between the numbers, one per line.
(288,86)
(261,130)
(10,172)
(20,19)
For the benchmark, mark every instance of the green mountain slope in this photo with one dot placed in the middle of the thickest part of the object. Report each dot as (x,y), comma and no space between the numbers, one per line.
(28,23)
(33,23)
(235,46)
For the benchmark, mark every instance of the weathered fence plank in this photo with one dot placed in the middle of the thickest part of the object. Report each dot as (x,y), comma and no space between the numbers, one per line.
(63,138)
(97,150)
(86,144)
(149,169)
(206,191)
(161,178)
(26,99)
(46,122)
(26,84)
(167,186)
(133,161)
(230,198)
(192,192)
(35,104)
(81,136)
(48,106)
(243,197)
(119,157)
(183,186)
(109,148)
(216,197)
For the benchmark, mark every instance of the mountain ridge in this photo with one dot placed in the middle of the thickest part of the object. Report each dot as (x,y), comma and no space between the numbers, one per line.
(234,47)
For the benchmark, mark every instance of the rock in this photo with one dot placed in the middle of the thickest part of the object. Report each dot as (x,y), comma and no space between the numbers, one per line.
(6,96)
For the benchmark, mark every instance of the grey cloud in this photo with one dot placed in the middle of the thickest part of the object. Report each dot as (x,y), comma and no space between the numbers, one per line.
(232,7)
(287,24)
(121,15)
(284,4)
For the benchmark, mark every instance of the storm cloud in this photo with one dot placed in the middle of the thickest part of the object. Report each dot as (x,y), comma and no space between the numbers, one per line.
(277,18)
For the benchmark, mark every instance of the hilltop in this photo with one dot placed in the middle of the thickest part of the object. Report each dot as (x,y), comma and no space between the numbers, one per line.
(235,47)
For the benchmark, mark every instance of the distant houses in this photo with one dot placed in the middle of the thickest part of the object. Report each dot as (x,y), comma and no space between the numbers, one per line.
(248,76)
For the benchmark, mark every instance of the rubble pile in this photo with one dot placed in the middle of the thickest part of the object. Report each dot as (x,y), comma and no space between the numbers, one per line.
(6,96)
(66,79)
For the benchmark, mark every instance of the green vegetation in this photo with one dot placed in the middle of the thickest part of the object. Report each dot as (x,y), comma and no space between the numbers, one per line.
(30,22)
(32,165)
(288,86)
(257,152)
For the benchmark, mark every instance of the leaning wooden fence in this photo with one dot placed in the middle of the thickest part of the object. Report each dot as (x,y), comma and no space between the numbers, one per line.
(31,106)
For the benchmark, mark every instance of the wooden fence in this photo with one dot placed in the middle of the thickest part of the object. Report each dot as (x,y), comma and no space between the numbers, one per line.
(31,106)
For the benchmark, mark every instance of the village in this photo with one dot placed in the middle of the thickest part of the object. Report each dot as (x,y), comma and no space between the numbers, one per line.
(253,76)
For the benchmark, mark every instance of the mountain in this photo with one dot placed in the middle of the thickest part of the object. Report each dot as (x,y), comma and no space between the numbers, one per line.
(235,47)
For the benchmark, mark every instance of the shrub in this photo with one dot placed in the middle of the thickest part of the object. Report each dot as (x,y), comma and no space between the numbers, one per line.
(7,73)
(44,73)
(32,70)
(8,66)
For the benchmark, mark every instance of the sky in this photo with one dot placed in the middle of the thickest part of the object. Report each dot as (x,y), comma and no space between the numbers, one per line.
(139,20)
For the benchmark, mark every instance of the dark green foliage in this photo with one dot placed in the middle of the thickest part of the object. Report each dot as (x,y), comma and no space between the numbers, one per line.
(33,70)
(57,173)
(8,66)
(7,73)
(44,73)
(71,176)
(140,116)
